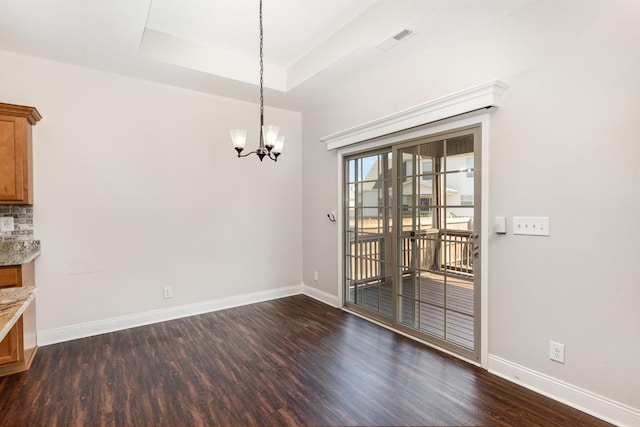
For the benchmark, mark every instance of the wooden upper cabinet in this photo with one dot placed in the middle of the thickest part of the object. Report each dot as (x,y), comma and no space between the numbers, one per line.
(16,164)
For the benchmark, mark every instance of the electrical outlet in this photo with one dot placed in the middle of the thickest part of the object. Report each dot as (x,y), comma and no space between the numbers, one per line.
(167,292)
(556,351)
(315,276)
(6,223)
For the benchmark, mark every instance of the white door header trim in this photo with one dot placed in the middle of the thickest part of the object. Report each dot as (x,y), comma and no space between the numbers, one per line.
(482,96)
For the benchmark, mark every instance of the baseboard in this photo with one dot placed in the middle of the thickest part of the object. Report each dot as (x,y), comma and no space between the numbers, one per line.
(52,336)
(583,400)
(319,295)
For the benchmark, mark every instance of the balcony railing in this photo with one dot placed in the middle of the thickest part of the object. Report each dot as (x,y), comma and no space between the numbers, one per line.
(458,251)
(439,251)
(436,251)
(367,258)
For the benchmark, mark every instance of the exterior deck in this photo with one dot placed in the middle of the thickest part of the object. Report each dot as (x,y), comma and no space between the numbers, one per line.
(443,308)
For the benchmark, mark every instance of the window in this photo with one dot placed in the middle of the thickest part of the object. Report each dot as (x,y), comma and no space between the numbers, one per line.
(466,199)
(427,168)
(425,206)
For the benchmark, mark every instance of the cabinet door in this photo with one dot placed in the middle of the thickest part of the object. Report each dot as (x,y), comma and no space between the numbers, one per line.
(9,276)
(14,164)
(11,348)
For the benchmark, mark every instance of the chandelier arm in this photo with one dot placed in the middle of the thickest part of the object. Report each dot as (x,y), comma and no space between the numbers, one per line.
(272,156)
(248,154)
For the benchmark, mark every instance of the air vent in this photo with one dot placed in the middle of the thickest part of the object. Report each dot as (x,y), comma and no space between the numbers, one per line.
(393,41)
(402,34)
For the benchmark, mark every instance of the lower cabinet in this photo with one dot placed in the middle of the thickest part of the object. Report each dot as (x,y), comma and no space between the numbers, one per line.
(18,348)
(11,347)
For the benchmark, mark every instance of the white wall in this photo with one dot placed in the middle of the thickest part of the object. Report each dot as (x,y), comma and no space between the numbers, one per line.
(564,144)
(137,187)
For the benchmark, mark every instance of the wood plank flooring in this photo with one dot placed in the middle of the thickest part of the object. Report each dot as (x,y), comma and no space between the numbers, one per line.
(286,362)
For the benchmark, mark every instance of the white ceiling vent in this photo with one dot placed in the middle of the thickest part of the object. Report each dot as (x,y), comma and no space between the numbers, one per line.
(393,41)
(403,34)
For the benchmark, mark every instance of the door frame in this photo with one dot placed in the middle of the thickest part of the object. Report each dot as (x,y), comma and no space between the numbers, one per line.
(479,118)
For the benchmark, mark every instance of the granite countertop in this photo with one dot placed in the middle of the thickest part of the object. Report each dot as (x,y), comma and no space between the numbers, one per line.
(18,252)
(13,302)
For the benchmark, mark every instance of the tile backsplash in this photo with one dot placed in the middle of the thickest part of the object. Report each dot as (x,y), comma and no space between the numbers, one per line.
(22,220)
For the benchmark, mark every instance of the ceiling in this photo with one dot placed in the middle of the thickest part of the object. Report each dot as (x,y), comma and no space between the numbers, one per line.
(312,48)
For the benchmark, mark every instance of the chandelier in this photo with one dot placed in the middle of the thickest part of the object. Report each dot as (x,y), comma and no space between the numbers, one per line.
(270,143)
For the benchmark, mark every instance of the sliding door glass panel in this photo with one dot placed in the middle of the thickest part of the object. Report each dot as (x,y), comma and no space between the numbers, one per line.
(435,249)
(368,197)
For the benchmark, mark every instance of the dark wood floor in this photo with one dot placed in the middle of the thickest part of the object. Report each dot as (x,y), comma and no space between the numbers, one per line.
(292,361)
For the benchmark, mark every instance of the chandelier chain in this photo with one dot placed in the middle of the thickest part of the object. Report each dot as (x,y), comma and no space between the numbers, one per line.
(261,72)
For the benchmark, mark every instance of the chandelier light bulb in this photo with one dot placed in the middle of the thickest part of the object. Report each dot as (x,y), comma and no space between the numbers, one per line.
(277,148)
(270,134)
(239,137)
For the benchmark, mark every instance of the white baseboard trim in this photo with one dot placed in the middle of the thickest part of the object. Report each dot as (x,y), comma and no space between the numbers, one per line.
(583,400)
(52,336)
(319,295)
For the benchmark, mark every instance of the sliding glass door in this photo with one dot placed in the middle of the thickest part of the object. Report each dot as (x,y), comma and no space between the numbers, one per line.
(418,273)
(437,188)
(368,239)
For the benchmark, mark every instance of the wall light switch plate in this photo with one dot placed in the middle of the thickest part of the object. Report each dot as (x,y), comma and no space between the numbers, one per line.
(531,226)
(6,223)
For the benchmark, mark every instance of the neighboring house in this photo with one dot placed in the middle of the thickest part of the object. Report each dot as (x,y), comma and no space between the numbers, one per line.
(459,191)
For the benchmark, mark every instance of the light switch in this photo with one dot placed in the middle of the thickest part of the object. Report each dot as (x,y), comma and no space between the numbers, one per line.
(500,225)
(531,226)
